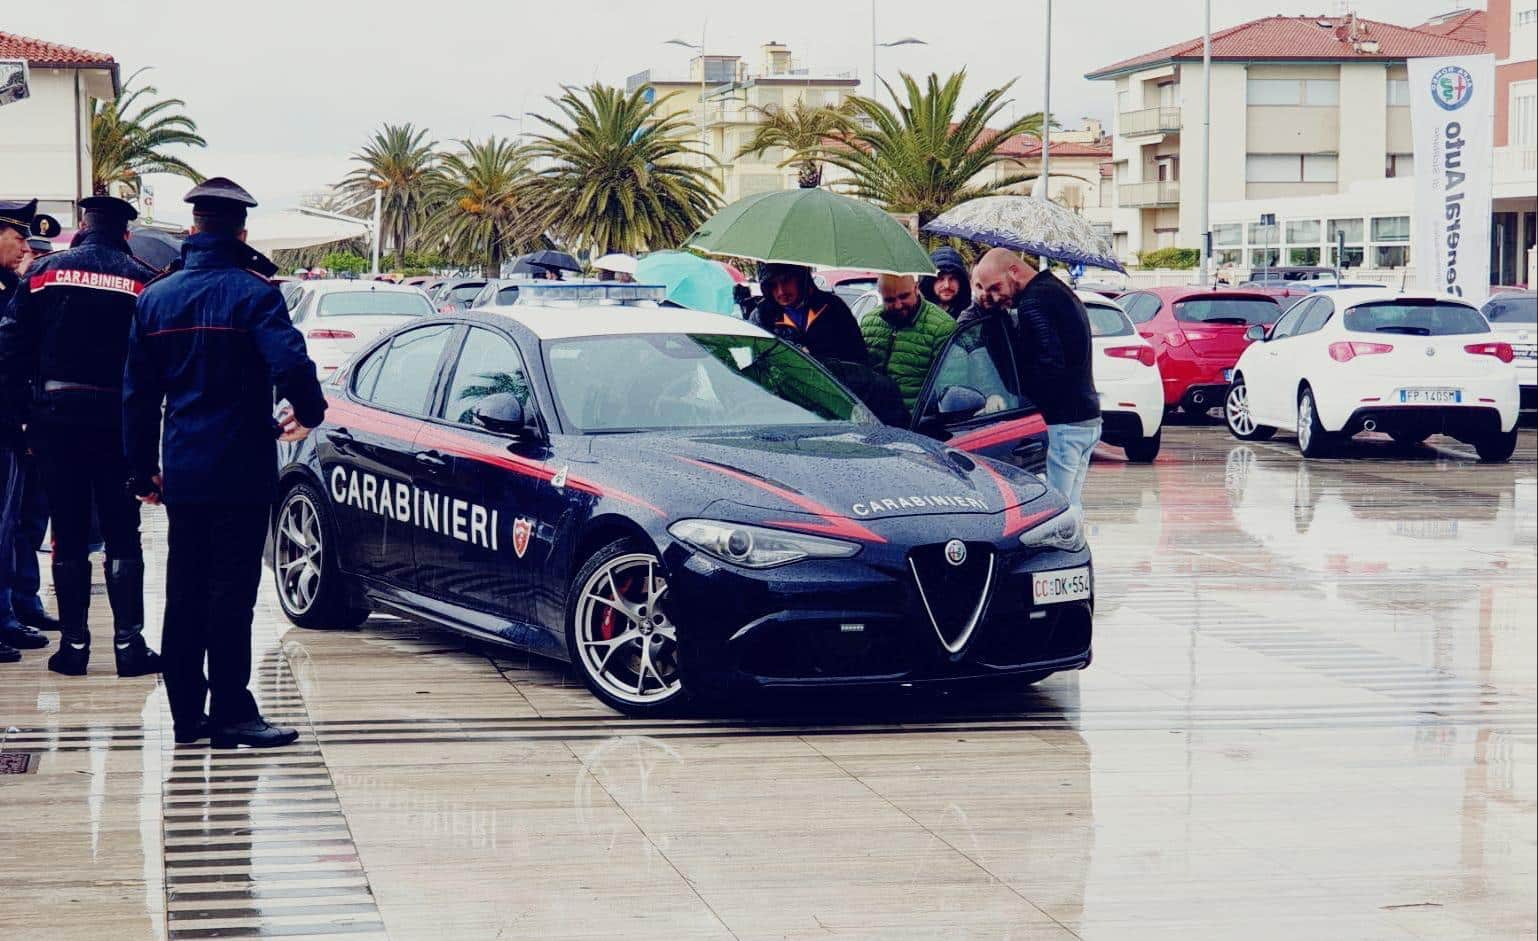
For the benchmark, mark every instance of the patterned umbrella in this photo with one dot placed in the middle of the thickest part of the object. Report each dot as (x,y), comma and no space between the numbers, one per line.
(1027,224)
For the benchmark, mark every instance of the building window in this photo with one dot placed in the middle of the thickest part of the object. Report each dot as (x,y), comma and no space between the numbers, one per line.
(1397,165)
(1228,256)
(1320,168)
(1527,17)
(1390,256)
(1305,232)
(1303,256)
(1354,256)
(1391,229)
(1291,168)
(1227,233)
(1524,114)
(1323,93)
(1265,257)
(1263,234)
(1314,92)
(1351,227)
(1399,93)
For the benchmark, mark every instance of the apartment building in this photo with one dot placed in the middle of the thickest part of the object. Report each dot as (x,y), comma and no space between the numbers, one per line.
(1310,122)
(725,95)
(1513,39)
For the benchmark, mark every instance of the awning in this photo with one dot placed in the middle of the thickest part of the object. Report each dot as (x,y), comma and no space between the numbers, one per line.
(286,228)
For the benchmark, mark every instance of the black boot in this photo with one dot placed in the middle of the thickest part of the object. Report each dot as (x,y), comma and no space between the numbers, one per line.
(30,612)
(9,654)
(72,583)
(125,591)
(254,733)
(22,637)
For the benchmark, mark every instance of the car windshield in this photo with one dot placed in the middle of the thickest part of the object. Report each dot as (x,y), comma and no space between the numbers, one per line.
(1236,311)
(466,292)
(1107,321)
(1415,318)
(670,381)
(1512,308)
(374,303)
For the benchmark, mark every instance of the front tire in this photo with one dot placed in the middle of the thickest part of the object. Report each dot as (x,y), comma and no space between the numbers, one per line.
(1144,450)
(1497,448)
(1236,413)
(310,585)
(1313,440)
(622,640)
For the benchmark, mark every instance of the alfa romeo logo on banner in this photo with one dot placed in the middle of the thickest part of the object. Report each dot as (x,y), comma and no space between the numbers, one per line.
(1452,120)
(1452,87)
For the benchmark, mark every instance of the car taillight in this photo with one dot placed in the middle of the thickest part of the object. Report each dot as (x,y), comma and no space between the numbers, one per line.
(1175,338)
(331,335)
(446,309)
(1345,352)
(1501,351)
(1143,354)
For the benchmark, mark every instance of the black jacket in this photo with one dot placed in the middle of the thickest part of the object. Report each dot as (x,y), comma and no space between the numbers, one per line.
(211,341)
(830,330)
(65,337)
(11,415)
(1055,352)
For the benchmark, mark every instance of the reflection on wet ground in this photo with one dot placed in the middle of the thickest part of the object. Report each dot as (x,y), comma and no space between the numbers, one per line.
(1311,714)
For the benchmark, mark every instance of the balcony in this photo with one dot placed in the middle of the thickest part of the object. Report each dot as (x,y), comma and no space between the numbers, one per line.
(1156,195)
(1162,120)
(1515,172)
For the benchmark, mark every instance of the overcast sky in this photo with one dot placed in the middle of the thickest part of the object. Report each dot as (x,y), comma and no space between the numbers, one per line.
(284,91)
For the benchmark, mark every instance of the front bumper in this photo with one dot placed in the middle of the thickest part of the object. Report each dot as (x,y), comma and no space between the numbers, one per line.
(863,621)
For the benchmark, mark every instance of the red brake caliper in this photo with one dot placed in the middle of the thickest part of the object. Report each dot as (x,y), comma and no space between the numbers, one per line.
(606,626)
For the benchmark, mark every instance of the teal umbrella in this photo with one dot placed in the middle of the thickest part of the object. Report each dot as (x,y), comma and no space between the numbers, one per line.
(812,227)
(694,282)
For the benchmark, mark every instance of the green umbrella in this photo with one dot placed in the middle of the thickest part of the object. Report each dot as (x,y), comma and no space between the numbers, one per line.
(812,227)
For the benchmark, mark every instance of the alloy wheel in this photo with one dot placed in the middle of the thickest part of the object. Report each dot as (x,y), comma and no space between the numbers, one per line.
(1305,421)
(626,642)
(1238,408)
(298,550)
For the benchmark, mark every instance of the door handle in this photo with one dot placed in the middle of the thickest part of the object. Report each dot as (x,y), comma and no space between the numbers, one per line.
(430,459)
(340,438)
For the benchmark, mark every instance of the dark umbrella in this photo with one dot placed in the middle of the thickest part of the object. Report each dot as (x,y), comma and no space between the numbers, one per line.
(542,261)
(155,247)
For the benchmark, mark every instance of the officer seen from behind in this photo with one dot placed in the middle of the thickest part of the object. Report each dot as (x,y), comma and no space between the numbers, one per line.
(211,339)
(66,336)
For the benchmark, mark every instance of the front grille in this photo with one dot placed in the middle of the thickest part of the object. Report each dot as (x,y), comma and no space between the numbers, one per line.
(953,596)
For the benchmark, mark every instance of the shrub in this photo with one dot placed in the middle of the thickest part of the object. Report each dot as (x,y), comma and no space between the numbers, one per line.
(1169,258)
(339,262)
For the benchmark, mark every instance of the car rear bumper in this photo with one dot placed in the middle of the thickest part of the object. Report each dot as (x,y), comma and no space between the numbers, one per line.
(1466,423)
(1131,410)
(1339,402)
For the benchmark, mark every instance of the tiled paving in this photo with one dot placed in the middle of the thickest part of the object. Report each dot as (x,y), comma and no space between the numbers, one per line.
(1312,714)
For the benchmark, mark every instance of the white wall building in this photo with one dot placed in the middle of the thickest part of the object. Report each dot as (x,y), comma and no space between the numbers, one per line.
(45,139)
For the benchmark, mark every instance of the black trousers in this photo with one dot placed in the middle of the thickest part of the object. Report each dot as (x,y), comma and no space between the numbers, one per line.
(213,568)
(31,526)
(82,466)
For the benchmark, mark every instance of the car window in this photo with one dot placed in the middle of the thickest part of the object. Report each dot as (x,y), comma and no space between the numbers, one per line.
(864,304)
(1317,315)
(1107,320)
(403,381)
(1288,325)
(488,364)
(508,295)
(980,357)
(293,293)
(1415,318)
(655,382)
(1512,309)
(366,303)
(466,292)
(1141,308)
(1233,311)
(366,374)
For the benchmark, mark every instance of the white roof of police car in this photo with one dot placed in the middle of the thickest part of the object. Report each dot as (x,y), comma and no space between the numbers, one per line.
(560,323)
(1351,297)
(349,285)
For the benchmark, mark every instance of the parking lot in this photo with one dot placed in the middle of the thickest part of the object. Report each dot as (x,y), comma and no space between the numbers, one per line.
(1311,714)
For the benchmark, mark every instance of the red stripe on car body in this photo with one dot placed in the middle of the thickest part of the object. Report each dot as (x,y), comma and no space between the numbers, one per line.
(833,525)
(1014,520)
(1000,433)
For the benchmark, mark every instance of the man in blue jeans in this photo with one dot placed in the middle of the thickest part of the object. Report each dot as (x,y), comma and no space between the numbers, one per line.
(1056,360)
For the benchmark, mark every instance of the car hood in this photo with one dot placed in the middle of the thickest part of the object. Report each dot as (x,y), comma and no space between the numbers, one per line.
(855,472)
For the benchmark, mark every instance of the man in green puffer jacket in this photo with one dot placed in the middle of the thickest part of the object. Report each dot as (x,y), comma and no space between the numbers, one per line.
(905,335)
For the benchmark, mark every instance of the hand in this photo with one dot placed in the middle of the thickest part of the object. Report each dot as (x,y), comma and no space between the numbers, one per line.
(289,428)
(153,497)
(995,403)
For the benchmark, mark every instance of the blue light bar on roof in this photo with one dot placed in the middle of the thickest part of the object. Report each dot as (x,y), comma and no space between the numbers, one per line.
(585,293)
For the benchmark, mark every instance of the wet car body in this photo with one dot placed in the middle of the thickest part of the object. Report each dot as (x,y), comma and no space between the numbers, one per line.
(939,585)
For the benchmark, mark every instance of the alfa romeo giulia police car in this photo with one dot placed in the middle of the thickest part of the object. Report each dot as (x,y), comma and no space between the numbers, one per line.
(677,503)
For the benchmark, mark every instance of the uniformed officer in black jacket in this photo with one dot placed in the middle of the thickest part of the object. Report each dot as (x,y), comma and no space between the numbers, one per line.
(211,340)
(67,334)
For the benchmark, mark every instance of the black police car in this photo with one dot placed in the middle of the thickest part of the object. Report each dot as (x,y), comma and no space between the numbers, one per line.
(676,502)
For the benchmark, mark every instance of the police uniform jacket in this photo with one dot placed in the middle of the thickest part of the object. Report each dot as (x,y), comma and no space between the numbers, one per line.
(211,340)
(66,332)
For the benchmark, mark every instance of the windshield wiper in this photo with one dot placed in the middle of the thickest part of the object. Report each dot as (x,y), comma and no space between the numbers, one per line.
(1410,331)
(1228,321)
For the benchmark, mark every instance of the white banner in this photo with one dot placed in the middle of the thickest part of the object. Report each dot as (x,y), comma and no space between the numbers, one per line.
(1452,117)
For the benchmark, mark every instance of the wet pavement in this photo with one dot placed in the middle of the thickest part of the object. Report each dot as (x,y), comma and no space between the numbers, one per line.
(1311,714)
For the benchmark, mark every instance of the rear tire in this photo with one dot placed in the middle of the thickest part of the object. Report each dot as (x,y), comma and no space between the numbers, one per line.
(1313,440)
(311,588)
(1144,450)
(1237,415)
(1497,448)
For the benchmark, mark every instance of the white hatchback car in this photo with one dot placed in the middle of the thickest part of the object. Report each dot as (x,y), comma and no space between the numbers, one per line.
(1514,318)
(340,317)
(1371,359)
(1127,378)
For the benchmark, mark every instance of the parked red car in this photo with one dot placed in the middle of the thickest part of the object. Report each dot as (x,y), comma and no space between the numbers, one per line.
(1197,334)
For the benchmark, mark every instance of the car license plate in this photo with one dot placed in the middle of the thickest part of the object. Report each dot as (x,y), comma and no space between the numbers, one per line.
(1062,585)
(1430,396)
(1228,375)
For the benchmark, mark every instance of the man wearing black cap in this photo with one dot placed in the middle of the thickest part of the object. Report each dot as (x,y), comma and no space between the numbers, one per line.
(62,350)
(211,340)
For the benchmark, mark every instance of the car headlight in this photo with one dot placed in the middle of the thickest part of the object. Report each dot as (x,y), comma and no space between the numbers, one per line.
(1064,531)
(756,547)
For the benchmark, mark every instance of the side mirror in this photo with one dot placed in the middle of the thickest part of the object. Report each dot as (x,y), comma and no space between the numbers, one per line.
(503,414)
(1256,333)
(961,402)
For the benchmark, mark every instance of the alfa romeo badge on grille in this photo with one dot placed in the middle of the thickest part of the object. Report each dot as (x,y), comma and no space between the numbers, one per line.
(955,552)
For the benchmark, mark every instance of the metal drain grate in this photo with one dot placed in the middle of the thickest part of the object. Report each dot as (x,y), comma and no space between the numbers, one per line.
(17,762)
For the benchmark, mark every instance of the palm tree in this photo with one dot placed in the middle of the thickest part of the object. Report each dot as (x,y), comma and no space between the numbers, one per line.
(921,156)
(480,198)
(400,162)
(803,131)
(126,144)
(621,175)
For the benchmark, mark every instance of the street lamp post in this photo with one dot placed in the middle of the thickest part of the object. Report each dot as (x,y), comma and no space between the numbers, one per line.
(1046,117)
(700,48)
